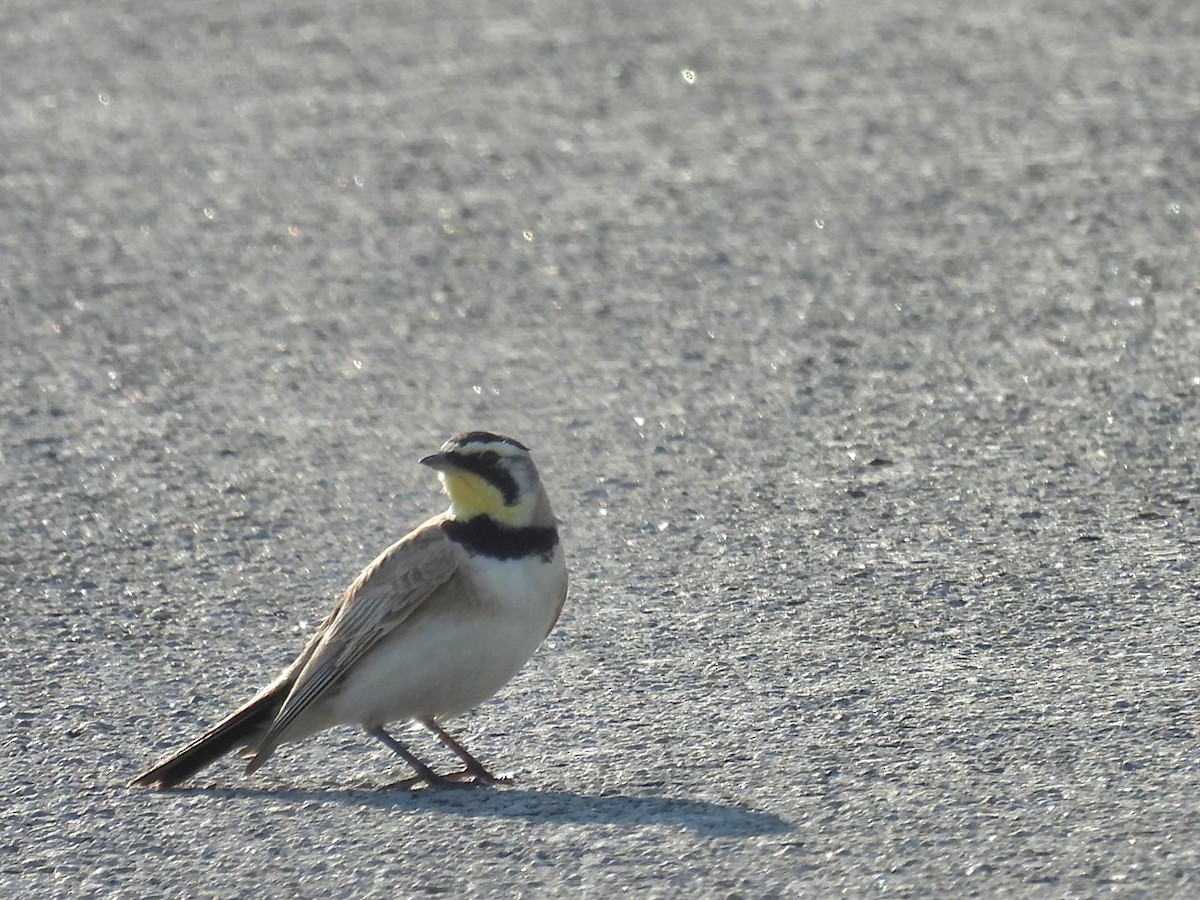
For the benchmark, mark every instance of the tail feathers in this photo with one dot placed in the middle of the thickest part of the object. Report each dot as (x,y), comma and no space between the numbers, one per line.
(242,727)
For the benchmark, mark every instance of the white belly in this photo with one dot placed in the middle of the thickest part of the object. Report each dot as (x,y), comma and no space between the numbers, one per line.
(438,665)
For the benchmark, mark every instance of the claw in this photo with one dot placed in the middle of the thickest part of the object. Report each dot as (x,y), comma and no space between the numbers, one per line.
(482,777)
(475,773)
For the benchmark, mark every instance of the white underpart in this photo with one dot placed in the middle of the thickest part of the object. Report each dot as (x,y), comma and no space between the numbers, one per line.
(437,666)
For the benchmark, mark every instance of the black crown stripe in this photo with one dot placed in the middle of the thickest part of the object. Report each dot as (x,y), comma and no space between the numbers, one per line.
(486,437)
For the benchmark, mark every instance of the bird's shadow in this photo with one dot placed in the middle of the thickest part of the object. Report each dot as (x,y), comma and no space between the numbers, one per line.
(716,819)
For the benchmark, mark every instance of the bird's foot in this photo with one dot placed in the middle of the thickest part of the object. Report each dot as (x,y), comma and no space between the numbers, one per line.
(478,777)
(453,781)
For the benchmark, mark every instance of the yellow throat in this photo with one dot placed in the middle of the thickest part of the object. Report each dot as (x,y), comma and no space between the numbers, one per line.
(472,496)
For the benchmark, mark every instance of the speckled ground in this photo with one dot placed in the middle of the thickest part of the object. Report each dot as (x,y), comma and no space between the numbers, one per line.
(858,344)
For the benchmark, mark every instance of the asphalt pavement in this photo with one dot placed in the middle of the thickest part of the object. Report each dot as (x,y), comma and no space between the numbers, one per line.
(859,348)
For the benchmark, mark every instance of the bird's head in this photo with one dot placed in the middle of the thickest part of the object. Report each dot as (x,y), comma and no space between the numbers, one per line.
(487,474)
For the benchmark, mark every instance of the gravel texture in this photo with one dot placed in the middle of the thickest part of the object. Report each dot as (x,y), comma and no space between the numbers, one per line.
(859,345)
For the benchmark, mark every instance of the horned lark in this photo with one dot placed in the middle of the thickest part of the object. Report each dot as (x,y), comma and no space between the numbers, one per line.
(437,624)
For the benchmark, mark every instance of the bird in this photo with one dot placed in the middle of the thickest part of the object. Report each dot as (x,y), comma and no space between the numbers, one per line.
(438,623)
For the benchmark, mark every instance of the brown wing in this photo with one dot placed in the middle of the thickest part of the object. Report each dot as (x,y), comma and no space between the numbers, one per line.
(381,598)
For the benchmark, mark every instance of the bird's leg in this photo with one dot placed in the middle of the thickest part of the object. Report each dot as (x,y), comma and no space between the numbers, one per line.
(431,779)
(474,773)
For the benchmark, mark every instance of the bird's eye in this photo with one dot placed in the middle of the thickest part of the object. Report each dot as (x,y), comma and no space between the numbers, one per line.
(489,457)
